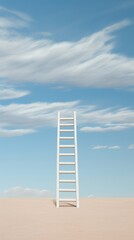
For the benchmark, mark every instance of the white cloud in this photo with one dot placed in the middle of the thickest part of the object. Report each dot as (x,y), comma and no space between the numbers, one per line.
(26,118)
(10,93)
(131,146)
(114,147)
(15,132)
(89,62)
(119,126)
(104,128)
(61,88)
(99,147)
(26,192)
(20,119)
(102,147)
(91,196)
(43,34)
(13,19)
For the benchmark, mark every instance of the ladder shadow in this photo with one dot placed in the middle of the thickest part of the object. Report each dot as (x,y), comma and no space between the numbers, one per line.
(67,205)
(54,202)
(64,204)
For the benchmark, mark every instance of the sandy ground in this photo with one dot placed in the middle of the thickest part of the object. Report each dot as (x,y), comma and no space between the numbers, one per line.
(39,219)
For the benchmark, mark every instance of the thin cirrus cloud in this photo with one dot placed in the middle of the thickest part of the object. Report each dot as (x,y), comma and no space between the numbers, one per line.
(11,93)
(26,59)
(19,119)
(13,19)
(88,62)
(105,128)
(103,147)
(26,192)
(131,146)
(15,132)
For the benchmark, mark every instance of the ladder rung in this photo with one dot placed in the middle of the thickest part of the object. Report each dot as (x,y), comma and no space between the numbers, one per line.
(66,124)
(67,154)
(67,181)
(67,163)
(66,118)
(66,138)
(67,172)
(67,200)
(66,146)
(67,190)
(66,130)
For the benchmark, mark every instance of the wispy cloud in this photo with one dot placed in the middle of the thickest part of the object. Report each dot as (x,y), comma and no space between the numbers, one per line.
(105,128)
(15,16)
(109,119)
(103,147)
(11,93)
(20,119)
(26,118)
(15,132)
(89,62)
(45,61)
(91,196)
(44,34)
(26,192)
(123,5)
(62,88)
(131,146)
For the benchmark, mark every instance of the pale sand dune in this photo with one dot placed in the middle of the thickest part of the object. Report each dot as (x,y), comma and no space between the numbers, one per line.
(39,219)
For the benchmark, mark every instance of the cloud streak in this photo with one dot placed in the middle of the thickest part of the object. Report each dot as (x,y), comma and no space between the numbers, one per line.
(13,19)
(105,147)
(104,128)
(11,93)
(131,146)
(89,62)
(15,132)
(26,192)
(18,119)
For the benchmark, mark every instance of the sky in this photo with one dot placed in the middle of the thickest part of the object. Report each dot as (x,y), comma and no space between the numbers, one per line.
(66,56)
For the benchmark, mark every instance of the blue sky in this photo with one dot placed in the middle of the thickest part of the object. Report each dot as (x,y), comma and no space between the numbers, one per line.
(66,56)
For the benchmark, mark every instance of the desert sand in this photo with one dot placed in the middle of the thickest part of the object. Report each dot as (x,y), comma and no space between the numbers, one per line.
(39,219)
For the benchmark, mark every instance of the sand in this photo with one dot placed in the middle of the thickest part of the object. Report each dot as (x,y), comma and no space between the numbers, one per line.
(39,219)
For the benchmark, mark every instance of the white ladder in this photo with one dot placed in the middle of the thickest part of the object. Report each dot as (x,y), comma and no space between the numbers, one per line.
(67,159)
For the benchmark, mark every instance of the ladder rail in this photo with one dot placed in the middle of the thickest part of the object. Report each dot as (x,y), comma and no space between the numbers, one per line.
(58,143)
(76,160)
